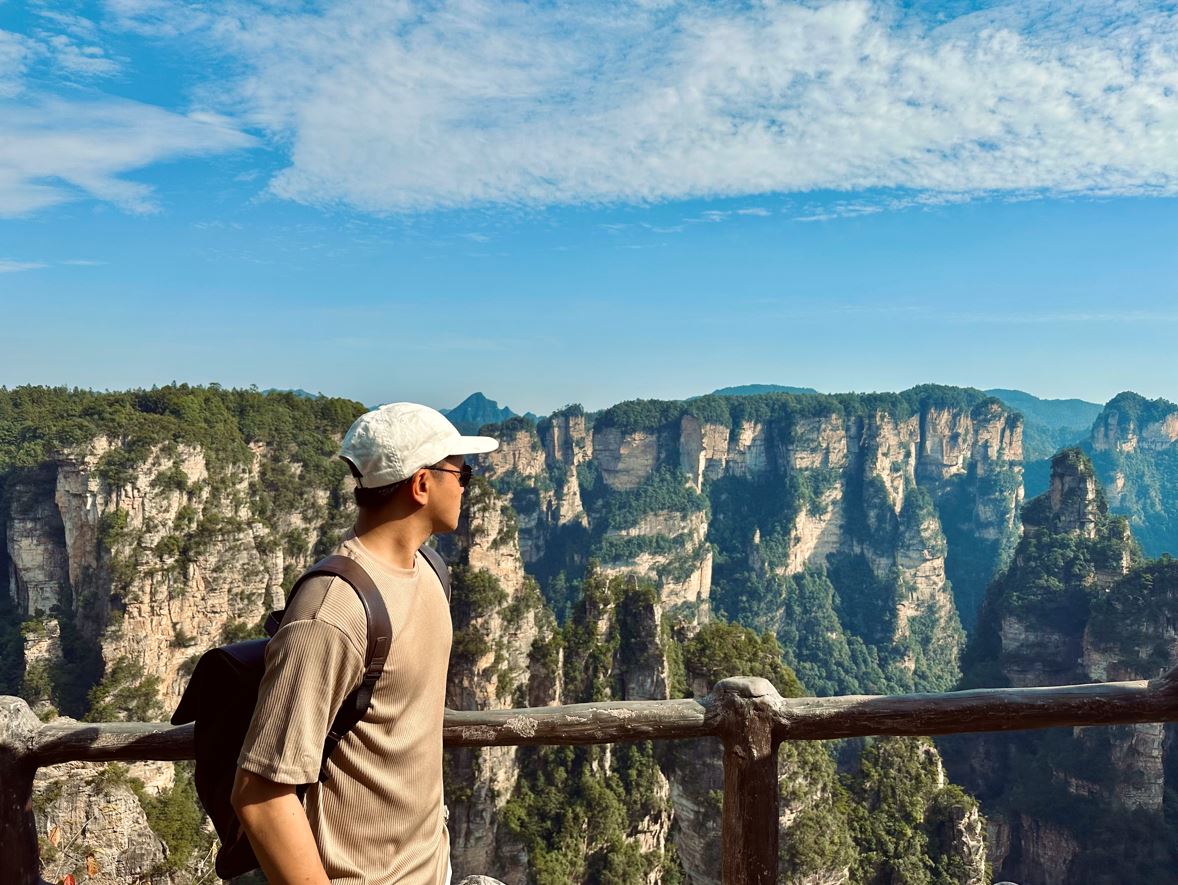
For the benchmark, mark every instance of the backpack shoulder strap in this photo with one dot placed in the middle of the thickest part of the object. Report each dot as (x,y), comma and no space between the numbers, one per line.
(434,558)
(380,635)
(376,652)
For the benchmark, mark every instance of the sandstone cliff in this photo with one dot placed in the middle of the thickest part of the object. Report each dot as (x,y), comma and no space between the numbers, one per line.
(1076,605)
(498,615)
(179,517)
(1134,447)
(127,550)
(906,503)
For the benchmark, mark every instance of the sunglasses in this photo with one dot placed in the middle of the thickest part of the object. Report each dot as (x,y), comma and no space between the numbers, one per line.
(463,475)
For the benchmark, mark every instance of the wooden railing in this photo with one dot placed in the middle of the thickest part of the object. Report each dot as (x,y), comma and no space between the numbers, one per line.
(748,715)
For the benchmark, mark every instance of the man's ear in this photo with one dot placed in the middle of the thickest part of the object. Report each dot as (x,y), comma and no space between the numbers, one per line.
(419,487)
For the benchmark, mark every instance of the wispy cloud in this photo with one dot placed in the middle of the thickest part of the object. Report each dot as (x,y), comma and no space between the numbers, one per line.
(884,202)
(55,150)
(16,52)
(1057,317)
(78,57)
(9,266)
(403,106)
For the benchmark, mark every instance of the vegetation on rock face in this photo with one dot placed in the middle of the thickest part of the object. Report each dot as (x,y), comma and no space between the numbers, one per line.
(721,650)
(125,693)
(900,812)
(1067,599)
(1147,484)
(577,810)
(176,817)
(37,422)
(1132,408)
(731,411)
(665,491)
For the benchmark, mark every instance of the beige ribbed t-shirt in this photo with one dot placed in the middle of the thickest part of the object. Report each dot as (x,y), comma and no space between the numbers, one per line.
(378,818)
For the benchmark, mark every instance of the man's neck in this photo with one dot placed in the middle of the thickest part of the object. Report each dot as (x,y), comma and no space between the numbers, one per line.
(394,541)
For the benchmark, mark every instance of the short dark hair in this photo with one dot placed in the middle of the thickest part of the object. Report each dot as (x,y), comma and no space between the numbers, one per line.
(374,498)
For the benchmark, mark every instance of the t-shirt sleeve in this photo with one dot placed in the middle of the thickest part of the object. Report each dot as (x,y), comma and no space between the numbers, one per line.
(311,666)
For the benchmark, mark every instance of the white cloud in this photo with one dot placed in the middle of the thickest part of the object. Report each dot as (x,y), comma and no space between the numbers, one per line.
(79,58)
(55,150)
(15,52)
(396,106)
(9,266)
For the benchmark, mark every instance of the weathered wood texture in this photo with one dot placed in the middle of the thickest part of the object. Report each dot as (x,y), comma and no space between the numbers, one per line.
(749,832)
(112,742)
(19,861)
(602,723)
(990,709)
(747,714)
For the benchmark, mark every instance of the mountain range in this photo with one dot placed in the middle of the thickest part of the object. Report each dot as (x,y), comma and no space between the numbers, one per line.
(834,544)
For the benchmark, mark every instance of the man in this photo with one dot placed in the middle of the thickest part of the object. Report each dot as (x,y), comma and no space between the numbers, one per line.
(378,818)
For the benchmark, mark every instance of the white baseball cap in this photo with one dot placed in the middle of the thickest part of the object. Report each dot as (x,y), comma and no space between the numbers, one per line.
(393,442)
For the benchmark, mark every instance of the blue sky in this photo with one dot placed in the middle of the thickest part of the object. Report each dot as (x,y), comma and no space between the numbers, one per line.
(589,202)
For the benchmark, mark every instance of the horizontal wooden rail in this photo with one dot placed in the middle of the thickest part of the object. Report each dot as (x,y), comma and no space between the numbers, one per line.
(747,714)
(955,712)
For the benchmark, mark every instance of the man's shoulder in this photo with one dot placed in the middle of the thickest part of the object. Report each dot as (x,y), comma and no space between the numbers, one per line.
(329,599)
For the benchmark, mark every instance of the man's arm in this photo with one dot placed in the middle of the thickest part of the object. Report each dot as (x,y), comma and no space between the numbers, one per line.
(311,664)
(273,818)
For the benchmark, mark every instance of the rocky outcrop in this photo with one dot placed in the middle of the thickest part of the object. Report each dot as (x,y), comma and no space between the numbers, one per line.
(566,437)
(1039,852)
(153,565)
(1074,498)
(624,459)
(91,824)
(151,552)
(696,793)
(1133,447)
(498,615)
(684,573)
(1076,605)
(1123,428)
(38,577)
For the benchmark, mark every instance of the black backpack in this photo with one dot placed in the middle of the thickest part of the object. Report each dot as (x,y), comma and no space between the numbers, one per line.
(223,691)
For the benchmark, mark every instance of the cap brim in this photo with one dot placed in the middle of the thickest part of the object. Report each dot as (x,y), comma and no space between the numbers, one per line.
(473,445)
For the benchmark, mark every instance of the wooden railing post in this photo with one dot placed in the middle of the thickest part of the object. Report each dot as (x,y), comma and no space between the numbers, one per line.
(18,829)
(749,835)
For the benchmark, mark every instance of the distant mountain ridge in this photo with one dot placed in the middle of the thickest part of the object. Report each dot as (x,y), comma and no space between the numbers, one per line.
(477,411)
(755,389)
(298,391)
(1057,414)
(1048,426)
